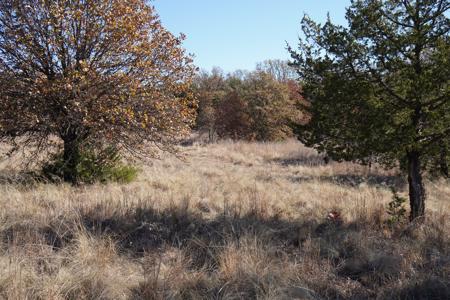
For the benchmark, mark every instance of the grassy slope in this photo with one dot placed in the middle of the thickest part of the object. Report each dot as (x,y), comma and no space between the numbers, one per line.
(230,221)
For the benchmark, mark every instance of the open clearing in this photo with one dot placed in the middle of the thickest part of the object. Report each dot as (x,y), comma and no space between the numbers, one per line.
(232,220)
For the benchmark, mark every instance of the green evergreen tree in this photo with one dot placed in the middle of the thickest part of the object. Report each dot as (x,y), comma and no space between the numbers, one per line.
(380,86)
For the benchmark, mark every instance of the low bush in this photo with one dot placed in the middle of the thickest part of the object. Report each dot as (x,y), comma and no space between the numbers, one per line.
(396,209)
(104,165)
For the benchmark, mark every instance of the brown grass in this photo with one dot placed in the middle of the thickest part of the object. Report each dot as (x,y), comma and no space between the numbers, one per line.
(230,221)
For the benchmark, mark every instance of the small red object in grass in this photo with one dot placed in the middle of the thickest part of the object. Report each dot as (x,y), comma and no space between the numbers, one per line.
(334,216)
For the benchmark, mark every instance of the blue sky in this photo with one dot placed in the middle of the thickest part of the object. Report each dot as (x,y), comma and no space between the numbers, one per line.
(236,34)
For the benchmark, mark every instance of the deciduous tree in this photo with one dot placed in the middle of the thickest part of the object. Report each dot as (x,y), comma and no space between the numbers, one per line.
(270,106)
(279,69)
(210,89)
(91,71)
(232,120)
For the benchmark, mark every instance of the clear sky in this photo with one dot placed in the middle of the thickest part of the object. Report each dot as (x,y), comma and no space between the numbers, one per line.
(236,34)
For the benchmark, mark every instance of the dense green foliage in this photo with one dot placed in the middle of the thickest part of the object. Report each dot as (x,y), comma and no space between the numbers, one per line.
(379,88)
(92,165)
(395,209)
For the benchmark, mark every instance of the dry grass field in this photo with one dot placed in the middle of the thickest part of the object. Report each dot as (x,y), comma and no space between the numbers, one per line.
(232,220)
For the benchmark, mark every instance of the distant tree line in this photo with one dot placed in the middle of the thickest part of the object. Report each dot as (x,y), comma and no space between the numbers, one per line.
(260,105)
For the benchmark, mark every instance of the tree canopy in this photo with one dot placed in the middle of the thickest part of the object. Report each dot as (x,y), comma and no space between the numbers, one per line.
(97,71)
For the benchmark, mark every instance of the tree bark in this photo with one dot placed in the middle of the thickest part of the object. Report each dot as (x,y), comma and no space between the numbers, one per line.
(443,164)
(416,188)
(211,134)
(71,157)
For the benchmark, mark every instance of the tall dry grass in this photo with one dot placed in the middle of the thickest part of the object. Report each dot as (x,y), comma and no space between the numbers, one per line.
(232,220)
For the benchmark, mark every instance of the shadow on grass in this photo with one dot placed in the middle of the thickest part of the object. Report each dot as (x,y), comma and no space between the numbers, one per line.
(23,178)
(432,288)
(145,230)
(356,180)
(373,266)
(309,161)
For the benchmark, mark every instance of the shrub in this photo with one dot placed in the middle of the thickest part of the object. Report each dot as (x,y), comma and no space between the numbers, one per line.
(395,209)
(93,165)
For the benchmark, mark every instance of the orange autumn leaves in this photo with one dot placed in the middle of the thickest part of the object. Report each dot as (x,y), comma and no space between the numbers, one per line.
(105,70)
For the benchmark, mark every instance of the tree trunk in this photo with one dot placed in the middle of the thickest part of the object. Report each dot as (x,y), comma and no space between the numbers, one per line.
(211,133)
(416,188)
(443,163)
(71,157)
